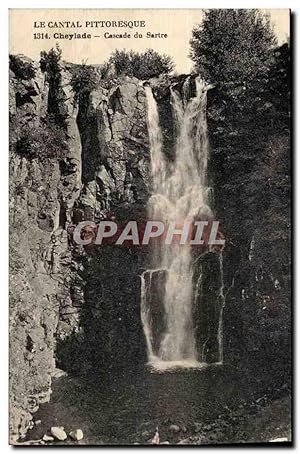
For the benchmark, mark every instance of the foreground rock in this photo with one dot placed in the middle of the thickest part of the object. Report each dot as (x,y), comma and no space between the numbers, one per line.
(76,435)
(47,438)
(59,433)
(279,440)
(174,428)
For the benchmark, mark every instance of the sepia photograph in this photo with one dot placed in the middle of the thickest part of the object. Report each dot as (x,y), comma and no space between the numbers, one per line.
(150,227)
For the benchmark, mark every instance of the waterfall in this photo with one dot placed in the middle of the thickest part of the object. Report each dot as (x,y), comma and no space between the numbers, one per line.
(180,194)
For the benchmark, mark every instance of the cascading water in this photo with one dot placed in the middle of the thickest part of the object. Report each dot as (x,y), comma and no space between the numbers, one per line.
(180,193)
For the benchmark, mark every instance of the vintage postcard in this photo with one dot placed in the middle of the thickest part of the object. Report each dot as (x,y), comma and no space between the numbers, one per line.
(150,227)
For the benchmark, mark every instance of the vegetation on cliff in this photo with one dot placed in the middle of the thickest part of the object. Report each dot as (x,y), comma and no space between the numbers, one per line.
(144,65)
(232,45)
(249,120)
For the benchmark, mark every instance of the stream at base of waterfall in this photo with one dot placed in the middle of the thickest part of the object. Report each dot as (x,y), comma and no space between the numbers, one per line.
(181,292)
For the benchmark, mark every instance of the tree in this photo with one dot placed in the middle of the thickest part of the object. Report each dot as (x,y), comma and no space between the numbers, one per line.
(51,65)
(232,45)
(121,60)
(85,78)
(50,62)
(143,65)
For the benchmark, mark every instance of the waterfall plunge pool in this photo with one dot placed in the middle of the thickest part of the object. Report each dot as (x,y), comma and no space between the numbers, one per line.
(157,365)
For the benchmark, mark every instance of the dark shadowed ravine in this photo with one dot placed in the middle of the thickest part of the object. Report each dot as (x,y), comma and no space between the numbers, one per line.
(205,406)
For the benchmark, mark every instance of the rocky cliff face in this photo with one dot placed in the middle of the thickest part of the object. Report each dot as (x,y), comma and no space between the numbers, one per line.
(115,160)
(89,164)
(41,200)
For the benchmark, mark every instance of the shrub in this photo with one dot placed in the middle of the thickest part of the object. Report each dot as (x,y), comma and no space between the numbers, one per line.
(41,140)
(49,62)
(106,69)
(22,68)
(143,65)
(84,79)
(121,60)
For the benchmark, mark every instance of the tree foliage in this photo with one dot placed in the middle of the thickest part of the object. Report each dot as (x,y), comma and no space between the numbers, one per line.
(85,78)
(50,62)
(232,45)
(23,69)
(141,65)
(42,140)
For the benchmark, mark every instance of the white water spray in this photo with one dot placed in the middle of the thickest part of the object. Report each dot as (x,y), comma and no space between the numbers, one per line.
(180,194)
